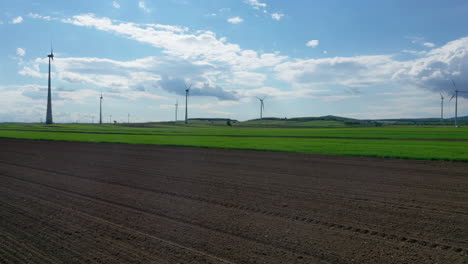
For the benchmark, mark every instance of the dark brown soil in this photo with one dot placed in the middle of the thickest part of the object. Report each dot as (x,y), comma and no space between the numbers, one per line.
(64,202)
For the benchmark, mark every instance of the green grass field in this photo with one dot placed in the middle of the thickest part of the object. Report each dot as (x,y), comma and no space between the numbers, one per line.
(334,141)
(395,132)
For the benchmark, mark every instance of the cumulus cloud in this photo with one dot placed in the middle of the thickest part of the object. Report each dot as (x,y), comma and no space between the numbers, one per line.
(235,20)
(348,71)
(115,4)
(312,43)
(218,63)
(421,41)
(17,20)
(435,69)
(37,16)
(209,62)
(20,52)
(277,16)
(32,70)
(429,44)
(201,45)
(245,78)
(178,86)
(431,70)
(142,5)
(414,52)
(256,4)
(262,7)
(130,77)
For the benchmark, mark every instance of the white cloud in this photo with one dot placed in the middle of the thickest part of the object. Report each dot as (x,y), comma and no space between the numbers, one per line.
(272,92)
(126,78)
(245,78)
(33,71)
(37,16)
(432,70)
(166,27)
(437,67)
(1,22)
(277,16)
(209,62)
(348,71)
(142,5)
(256,4)
(325,52)
(17,20)
(199,46)
(429,44)
(20,52)
(262,7)
(414,52)
(216,66)
(235,20)
(421,41)
(312,43)
(115,4)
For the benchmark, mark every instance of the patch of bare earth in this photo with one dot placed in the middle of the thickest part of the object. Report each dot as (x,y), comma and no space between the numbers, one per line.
(65,202)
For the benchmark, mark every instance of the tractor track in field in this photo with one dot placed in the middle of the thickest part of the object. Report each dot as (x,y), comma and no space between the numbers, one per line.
(149,212)
(122,245)
(306,220)
(66,202)
(235,136)
(371,200)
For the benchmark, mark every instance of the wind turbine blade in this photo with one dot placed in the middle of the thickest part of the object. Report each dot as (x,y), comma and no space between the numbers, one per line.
(452,97)
(51,51)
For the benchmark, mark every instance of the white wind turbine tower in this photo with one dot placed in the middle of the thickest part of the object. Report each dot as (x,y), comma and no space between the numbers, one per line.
(456,101)
(262,106)
(441,107)
(176,109)
(100,109)
(187,90)
(49,96)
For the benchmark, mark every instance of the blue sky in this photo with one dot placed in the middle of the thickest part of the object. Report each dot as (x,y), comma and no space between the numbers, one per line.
(362,59)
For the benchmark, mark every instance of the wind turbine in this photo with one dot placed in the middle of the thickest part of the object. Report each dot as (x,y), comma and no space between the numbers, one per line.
(49,96)
(456,101)
(176,109)
(187,89)
(441,107)
(100,110)
(262,106)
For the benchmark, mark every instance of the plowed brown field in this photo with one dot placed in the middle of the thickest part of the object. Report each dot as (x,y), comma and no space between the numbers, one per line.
(65,202)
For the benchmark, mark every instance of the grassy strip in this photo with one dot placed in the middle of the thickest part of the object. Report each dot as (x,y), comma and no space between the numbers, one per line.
(429,150)
(375,132)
